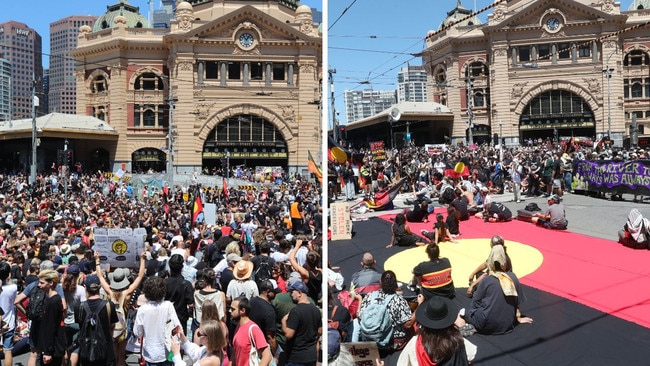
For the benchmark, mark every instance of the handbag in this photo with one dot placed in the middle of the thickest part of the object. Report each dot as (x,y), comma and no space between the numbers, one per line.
(253,356)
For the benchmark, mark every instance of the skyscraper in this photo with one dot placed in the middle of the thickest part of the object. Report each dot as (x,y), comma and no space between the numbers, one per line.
(5,89)
(22,47)
(412,84)
(62,82)
(360,104)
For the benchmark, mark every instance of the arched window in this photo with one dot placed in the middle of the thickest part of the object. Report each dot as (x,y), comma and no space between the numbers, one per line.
(477,69)
(99,85)
(148,81)
(636,58)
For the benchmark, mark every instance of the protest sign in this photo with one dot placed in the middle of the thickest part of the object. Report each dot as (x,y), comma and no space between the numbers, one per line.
(120,247)
(341,221)
(378,151)
(613,176)
(363,353)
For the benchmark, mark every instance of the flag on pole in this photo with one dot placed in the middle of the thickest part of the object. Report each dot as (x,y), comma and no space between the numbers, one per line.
(314,168)
(197,208)
(225,189)
(165,198)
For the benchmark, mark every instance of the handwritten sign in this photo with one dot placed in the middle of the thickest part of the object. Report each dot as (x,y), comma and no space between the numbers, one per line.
(120,247)
(341,221)
(614,176)
(378,151)
(363,353)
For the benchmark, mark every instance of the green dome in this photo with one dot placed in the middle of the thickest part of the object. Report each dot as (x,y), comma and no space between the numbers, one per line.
(457,14)
(131,13)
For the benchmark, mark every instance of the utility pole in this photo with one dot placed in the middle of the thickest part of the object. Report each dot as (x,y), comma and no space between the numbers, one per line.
(335,127)
(170,137)
(65,169)
(470,105)
(32,173)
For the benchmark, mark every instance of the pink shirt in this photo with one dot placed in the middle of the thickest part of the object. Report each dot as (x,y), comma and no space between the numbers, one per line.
(242,344)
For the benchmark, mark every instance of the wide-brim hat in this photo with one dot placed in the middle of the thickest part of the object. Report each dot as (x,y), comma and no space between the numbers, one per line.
(65,249)
(243,270)
(119,279)
(437,313)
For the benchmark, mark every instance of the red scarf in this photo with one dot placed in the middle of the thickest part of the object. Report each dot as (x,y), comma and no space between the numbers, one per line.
(421,354)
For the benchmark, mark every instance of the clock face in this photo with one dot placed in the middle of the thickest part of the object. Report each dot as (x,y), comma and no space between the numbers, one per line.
(552,24)
(246,40)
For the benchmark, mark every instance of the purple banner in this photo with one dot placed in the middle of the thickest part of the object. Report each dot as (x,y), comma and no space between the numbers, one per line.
(613,176)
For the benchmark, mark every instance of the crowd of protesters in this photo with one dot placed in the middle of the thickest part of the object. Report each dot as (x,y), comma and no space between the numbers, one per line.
(246,286)
(464,180)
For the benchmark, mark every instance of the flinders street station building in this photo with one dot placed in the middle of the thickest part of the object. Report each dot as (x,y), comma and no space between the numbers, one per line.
(229,81)
(543,69)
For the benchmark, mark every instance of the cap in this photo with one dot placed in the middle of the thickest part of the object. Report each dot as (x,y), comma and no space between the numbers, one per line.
(73,270)
(298,286)
(91,280)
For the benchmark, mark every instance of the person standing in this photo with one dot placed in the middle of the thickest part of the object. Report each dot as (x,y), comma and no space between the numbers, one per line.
(302,327)
(107,319)
(154,320)
(47,332)
(179,291)
(297,212)
(263,313)
(247,335)
(7,298)
(348,179)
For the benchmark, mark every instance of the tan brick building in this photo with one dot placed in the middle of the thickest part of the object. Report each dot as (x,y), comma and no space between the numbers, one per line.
(539,69)
(229,78)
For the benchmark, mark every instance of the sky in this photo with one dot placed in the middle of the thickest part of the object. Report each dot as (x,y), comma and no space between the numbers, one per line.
(38,14)
(373,40)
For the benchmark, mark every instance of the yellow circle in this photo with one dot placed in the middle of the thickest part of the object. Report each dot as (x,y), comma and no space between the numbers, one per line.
(465,255)
(119,246)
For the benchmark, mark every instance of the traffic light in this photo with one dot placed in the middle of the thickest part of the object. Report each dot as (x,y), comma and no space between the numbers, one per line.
(60,157)
(496,139)
(69,158)
(343,132)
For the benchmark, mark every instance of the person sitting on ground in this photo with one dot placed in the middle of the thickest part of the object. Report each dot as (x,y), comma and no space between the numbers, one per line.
(636,232)
(461,203)
(440,231)
(401,234)
(496,301)
(420,194)
(434,275)
(367,279)
(398,308)
(419,213)
(554,217)
(439,341)
(480,272)
(453,221)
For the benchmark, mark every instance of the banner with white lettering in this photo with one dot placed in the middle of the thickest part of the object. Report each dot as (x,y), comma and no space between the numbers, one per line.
(613,176)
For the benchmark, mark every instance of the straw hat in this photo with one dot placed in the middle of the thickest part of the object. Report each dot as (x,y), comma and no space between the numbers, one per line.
(243,270)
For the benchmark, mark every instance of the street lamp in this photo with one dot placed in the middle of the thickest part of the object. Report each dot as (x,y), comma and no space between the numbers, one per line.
(608,71)
(32,173)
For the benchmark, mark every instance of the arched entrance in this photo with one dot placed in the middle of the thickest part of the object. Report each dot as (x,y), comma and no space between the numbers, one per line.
(244,139)
(480,134)
(148,160)
(554,114)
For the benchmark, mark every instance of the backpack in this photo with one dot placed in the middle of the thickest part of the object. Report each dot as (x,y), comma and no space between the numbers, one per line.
(264,270)
(376,324)
(36,304)
(92,340)
(119,331)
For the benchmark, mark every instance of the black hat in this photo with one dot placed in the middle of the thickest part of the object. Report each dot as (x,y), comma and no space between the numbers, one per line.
(437,313)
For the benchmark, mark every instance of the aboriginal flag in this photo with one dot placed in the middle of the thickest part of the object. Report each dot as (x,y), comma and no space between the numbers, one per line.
(197,209)
(313,167)
(225,189)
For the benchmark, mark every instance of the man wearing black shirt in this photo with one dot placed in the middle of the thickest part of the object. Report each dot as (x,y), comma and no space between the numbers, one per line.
(179,291)
(302,327)
(263,313)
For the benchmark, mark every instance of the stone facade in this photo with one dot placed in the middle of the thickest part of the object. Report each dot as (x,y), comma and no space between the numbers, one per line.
(219,60)
(538,51)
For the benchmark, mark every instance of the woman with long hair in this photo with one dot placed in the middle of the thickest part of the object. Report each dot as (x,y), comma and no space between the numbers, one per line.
(401,234)
(207,348)
(208,293)
(74,296)
(453,221)
(440,231)
(119,292)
